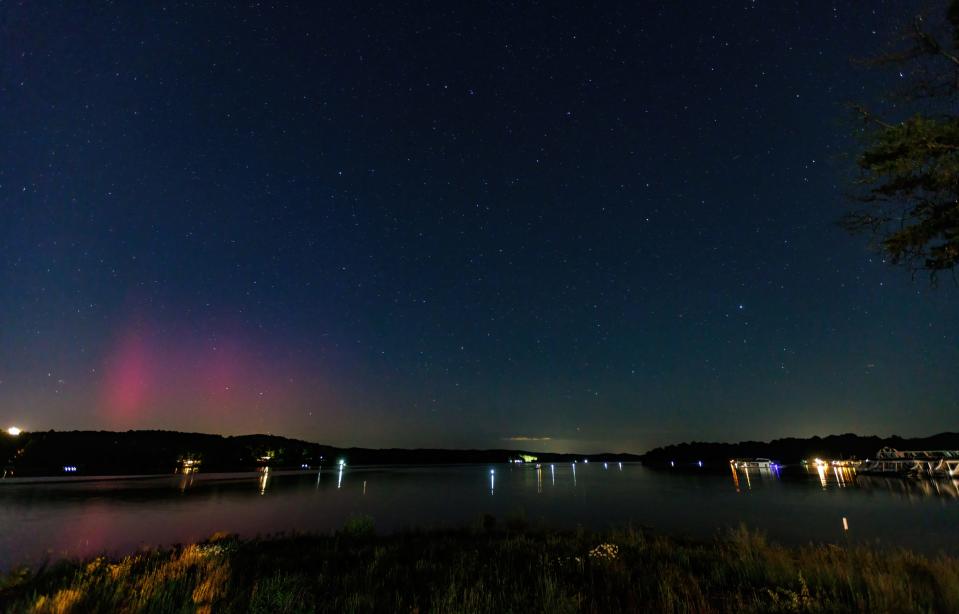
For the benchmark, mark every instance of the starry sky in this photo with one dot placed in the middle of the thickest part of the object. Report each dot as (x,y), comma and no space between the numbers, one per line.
(589,226)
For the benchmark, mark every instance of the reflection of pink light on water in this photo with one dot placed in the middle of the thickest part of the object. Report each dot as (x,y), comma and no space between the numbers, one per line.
(92,528)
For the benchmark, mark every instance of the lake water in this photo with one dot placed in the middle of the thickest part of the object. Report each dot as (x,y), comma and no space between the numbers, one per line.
(50,520)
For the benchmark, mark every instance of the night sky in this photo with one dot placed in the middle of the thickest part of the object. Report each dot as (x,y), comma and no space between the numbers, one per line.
(507,225)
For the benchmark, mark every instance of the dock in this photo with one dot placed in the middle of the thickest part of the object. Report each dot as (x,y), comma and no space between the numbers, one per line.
(920,463)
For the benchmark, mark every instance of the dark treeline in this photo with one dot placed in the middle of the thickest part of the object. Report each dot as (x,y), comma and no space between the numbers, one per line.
(793,450)
(149,452)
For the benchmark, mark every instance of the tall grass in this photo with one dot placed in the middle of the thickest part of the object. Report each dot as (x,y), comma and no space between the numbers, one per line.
(492,570)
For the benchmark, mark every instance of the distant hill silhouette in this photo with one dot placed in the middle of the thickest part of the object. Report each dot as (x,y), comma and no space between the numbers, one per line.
(792,450)
(151,452)
(156,452)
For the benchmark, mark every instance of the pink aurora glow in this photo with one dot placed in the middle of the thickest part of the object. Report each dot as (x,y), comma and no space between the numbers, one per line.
(154,379)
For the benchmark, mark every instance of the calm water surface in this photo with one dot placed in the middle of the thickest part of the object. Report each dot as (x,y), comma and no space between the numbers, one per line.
(78,518)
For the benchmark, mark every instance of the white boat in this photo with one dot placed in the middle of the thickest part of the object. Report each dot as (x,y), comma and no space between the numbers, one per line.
(751,463)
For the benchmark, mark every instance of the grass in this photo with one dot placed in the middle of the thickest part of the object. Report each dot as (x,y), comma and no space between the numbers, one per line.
(492,568)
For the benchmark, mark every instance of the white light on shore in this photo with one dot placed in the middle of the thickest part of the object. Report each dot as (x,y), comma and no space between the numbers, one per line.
(13,431)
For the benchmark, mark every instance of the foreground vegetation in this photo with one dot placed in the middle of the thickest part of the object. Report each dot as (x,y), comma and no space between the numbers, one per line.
(492,569)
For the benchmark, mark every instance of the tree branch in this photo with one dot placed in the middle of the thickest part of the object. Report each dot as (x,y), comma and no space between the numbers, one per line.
(869,117)
(931,44)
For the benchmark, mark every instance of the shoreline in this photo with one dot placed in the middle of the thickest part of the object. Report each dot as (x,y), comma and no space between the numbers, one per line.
(214,476)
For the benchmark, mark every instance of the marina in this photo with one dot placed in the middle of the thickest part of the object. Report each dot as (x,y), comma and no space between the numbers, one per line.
(916,463)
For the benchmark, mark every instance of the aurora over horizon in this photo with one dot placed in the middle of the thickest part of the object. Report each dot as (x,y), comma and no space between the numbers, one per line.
(562,227)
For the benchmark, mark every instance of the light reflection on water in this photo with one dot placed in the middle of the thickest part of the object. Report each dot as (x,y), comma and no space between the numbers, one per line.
(912,488)
(821,470)
(796,505)
(264,479)
(832,477)
(186,480)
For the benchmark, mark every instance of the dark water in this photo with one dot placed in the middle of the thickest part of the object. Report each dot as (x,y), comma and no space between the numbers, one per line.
(77,518)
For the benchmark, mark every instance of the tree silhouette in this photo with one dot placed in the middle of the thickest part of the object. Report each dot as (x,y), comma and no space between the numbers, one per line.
(908,193)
